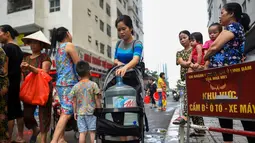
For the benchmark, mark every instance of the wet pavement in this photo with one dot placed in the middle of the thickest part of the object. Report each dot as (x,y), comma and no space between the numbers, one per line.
(158,124)
(159,121)
(172,135)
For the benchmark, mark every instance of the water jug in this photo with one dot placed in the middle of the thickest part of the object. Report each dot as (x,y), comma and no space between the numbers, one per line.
(121,96)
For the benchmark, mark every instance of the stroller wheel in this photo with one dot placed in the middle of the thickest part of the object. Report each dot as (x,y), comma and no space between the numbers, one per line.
(76,135)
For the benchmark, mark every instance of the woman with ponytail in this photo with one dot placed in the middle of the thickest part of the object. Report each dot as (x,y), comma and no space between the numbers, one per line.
(14,57)
(66,59)
(228,49)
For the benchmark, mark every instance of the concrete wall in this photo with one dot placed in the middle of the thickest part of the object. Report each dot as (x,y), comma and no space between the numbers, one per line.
(58,18)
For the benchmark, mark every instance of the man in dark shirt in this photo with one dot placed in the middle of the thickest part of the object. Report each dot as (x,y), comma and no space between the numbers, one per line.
(152,88)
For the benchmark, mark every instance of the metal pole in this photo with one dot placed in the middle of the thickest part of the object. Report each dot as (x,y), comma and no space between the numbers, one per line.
(181,132)
(188,128)
(181,127)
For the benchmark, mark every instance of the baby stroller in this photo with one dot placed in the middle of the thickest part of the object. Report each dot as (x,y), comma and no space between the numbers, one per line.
(71,124)
(106,129)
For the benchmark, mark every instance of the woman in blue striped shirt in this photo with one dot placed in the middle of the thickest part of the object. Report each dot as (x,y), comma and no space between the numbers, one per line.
(128,51)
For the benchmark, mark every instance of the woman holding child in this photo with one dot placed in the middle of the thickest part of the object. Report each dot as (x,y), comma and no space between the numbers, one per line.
(227,50)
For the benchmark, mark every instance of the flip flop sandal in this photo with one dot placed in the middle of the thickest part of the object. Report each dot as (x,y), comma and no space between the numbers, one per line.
(179,121)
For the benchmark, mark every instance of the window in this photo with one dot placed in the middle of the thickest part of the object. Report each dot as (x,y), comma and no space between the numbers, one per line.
(18,5)
(136,10)
(101,48)
(101,3)
(89,12)
(108,9)
(109,51)
(102,25)
(137,36)
(54,5)
(219,10)
(89,38)
(96,42)
(244,6)
(137,23)
(96,18)
(118,13)
(210,14)
(109,33)
(125,4)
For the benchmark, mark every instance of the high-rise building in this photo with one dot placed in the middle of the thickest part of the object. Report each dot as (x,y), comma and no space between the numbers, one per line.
(133,8)
(163,68)
(215,6)
(90,22)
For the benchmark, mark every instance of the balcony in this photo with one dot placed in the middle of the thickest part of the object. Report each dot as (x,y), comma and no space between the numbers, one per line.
(18,5)
(24,15)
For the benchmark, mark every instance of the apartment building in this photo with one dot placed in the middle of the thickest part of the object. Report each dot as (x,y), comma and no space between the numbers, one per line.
(215,6)
(91,23)
(133,8)
(135,12)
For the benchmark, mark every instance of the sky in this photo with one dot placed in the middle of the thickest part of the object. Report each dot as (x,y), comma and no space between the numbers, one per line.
(162,22)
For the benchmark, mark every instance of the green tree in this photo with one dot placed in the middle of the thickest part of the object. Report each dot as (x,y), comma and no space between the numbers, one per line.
(155,75)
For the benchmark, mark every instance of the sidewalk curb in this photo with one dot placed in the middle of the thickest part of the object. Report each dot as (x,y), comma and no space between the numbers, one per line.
(172,134)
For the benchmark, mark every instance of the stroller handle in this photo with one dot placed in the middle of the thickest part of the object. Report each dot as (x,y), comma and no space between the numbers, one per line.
(113,69)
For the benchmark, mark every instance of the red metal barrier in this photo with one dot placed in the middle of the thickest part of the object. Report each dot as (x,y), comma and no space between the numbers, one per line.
(224,130)
(232,131)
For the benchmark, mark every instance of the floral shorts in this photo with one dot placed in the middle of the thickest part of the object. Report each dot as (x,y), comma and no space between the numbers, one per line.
(65,99)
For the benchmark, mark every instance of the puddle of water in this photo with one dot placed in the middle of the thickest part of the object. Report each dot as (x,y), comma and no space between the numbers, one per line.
(157,136)
(154,138)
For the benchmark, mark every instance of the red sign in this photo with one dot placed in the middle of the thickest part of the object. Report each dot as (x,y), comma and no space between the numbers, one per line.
(223,92)
(104,64)
(96,61)
(95,75)
(108,66)
(87,58)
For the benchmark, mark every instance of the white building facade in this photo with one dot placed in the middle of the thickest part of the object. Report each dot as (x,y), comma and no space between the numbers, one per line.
(215,6)
(91,23)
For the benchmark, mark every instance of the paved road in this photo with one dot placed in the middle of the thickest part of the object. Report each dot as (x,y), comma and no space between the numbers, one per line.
(158,123)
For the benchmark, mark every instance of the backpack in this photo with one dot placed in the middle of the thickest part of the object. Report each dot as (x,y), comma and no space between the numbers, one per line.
(141,64)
